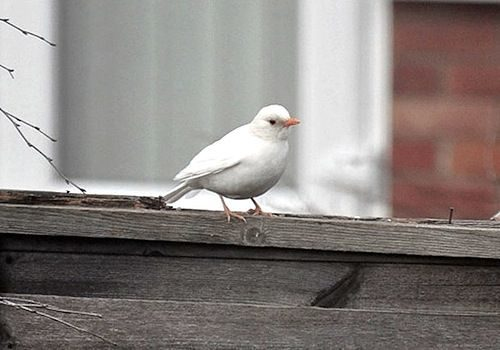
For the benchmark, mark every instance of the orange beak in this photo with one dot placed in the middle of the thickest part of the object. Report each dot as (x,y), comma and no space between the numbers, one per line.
(292,121)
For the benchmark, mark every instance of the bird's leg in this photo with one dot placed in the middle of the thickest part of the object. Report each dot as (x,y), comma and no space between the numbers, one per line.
(258,210)
(229,213)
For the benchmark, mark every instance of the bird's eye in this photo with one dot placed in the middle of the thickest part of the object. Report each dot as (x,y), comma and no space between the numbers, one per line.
(272,122)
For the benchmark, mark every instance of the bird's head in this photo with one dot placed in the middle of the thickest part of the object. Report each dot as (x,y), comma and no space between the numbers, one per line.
(273,121)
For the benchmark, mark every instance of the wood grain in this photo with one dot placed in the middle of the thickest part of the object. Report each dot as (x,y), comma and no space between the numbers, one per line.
(282,232)
(117,246)
(80,199)
(325,284)
(142,202)
(135,324)
(427,287)
(168,278)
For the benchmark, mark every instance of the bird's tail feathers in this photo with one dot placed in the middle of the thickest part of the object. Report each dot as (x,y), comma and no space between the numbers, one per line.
(177,192)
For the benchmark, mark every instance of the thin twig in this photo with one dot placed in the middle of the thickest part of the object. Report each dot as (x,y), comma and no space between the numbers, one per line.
(55,309)
(33,303)
(9,70)
(54,318)
(15,122)
(28,124)
(25,32)
(450,215)
(65,311)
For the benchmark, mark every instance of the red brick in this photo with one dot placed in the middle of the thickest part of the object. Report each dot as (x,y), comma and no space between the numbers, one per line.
(451,11)
(415,79)
(443,37)
(446,89)
(445,28)
(477,159)
(411,155)
(475,80)
(444,118)
(433,199)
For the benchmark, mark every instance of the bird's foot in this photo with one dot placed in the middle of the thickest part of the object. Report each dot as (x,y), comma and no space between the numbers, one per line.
(230,214)
(258,211)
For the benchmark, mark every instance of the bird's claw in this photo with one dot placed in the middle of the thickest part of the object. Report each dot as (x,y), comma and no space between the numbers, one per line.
(237,216)
(258,211)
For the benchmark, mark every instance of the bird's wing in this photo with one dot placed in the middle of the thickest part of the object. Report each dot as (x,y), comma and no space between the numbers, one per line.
(220,155)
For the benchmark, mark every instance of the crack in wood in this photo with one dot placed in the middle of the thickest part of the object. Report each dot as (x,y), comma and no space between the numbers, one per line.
(338,295)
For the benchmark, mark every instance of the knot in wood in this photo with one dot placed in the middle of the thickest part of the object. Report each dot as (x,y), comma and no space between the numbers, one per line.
(253,235)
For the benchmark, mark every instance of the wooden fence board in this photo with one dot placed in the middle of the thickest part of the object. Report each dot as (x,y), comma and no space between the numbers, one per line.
(281,232)
(79,199)
(286,282)
(141,202)
(181,279)
(430,287)
(137,324)
(117,246)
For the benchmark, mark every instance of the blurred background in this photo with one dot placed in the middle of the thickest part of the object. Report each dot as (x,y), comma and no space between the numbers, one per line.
(399,100)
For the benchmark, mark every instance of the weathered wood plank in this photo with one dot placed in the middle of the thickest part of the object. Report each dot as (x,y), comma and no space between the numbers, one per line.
(179,325)
(117,246)
(80,199)
(141,202)
(281,232)
(408,286)
(427,287)
(181,279)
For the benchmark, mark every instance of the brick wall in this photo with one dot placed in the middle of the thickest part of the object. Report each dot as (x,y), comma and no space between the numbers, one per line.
(446,149)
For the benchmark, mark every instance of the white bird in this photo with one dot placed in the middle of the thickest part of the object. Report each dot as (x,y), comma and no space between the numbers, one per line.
(243,164)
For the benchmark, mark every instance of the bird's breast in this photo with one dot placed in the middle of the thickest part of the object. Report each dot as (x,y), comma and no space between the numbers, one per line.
(259,170)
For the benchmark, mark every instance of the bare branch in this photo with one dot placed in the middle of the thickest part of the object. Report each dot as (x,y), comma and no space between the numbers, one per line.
(28,124)
(20,306)
(9,70)
(16,123)
(36,304)
(25,32)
